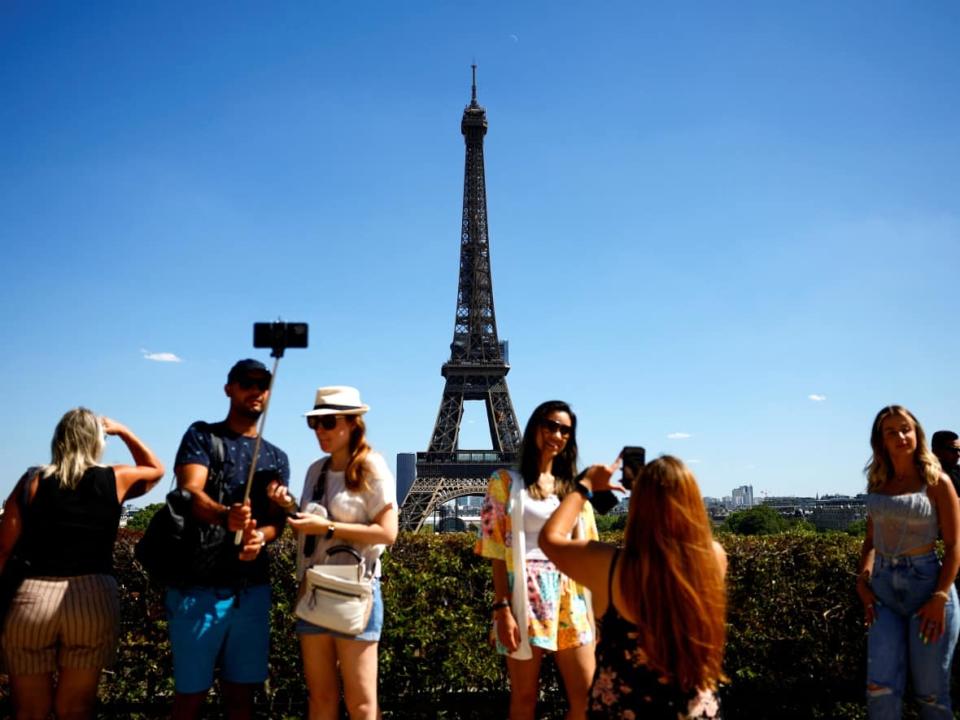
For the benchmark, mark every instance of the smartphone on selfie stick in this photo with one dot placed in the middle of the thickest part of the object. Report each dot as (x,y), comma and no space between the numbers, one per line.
(278,336)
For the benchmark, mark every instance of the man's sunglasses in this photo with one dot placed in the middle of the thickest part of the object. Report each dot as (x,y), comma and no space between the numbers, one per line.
(552,426)
(327,422)
(261,383)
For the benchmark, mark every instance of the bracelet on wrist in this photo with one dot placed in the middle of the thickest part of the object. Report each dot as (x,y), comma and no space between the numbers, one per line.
(583,490)
(500,605)
(942,593)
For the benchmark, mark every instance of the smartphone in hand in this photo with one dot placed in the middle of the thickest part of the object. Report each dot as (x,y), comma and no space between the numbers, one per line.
(632,458)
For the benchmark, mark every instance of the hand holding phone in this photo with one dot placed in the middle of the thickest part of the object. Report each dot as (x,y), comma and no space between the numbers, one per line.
(601,488)
(632,458)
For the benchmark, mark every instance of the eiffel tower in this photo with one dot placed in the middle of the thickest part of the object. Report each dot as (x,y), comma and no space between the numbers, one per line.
(477,367)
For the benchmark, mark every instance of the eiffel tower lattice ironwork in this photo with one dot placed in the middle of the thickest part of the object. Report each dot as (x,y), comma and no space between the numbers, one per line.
(477,368)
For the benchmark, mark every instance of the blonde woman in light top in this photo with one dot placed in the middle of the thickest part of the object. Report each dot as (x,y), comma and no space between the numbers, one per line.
(909,601)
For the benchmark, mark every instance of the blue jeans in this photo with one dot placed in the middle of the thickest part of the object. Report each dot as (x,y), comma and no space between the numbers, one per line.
(902,585)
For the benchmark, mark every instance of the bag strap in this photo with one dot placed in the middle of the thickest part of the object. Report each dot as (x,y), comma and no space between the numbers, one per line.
(319,492)
(613,566)
(320,489)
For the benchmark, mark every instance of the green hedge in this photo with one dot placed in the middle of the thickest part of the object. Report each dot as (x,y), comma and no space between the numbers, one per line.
(796,643)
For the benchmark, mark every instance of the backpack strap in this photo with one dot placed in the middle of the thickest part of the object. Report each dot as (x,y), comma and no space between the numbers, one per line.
(217,460)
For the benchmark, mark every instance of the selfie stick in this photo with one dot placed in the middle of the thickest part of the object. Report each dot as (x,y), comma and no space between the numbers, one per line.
(277,354)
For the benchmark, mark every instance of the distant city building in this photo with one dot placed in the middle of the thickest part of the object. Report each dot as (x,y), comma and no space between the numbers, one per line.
(406,474)
(742,497)
(716,510)
(838,512)
(791,506)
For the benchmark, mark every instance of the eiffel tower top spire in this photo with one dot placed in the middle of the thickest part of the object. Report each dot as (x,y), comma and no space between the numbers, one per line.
(475,339)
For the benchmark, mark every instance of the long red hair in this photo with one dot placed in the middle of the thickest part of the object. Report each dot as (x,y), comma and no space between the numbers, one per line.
(670,578)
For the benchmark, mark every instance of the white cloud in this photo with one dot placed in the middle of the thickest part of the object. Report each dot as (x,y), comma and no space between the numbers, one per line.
(679,435)
(693,461)
(817,398)
(513,37)
(160,356)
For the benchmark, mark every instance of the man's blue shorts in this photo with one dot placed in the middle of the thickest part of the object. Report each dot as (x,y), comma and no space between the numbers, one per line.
(218,627)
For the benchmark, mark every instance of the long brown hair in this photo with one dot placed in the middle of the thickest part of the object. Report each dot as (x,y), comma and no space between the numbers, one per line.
(879,469)
(670,577)
(355,476)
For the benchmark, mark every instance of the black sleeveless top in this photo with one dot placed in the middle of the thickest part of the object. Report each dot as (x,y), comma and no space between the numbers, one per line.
(623,685)
(72,532)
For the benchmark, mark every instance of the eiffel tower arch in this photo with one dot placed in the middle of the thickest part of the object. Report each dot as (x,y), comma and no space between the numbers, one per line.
(477,368)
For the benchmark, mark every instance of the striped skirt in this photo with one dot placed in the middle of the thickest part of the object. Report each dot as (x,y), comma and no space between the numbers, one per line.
(70,622)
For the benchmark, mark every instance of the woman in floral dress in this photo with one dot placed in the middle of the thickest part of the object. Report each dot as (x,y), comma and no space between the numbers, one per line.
(661,598)
(536,608)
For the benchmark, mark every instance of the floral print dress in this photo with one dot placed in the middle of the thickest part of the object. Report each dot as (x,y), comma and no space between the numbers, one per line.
(625,687)
(559,609)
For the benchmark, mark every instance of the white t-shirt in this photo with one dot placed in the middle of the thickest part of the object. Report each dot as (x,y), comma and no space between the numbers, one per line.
(345,506)
(535,515)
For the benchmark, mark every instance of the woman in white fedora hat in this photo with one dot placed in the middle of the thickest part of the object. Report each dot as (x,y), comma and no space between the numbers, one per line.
(349,498)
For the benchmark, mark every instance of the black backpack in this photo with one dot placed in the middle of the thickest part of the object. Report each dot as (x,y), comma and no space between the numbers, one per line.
(177,549)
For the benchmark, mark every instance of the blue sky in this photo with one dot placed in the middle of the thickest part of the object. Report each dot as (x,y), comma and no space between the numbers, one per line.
(702,215)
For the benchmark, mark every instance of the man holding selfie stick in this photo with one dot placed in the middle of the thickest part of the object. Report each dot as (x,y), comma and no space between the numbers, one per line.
(223,620)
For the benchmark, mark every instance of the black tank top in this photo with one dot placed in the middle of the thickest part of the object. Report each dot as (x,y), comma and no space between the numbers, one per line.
(72,532)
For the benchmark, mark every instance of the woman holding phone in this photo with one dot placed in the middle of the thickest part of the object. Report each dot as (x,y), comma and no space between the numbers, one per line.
(348,499)
(537,608)
(660,599)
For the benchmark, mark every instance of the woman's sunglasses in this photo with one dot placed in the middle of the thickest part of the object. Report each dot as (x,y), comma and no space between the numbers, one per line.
(552,426)
(327,422)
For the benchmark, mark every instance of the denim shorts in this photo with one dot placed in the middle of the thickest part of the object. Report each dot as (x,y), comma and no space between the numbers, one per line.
(371,633)
(223,627)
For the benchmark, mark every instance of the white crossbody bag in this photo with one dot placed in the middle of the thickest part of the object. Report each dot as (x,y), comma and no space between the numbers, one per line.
(337,597)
